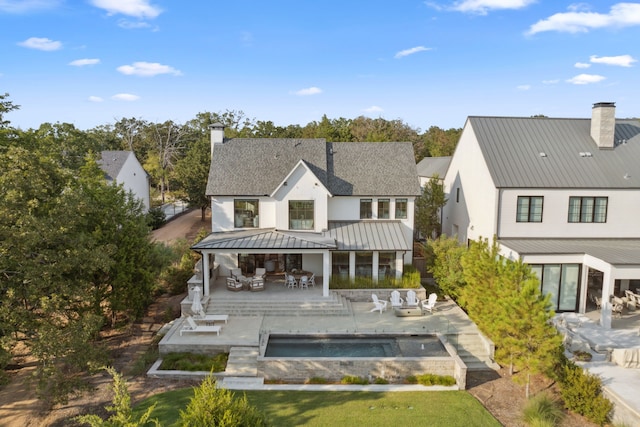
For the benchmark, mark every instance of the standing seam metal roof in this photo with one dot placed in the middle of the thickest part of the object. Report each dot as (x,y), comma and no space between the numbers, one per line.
(511,147)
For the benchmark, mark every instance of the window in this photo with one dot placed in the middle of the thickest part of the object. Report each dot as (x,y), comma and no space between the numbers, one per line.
(588,209)
(301,214)
(386,264)
(383,208)
(245,213)
(364,264)
(340,264)
(401,208)
(366,209)
(529,209)
(458,195)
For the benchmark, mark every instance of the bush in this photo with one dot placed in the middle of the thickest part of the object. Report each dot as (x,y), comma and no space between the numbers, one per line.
(195,362)
(582,356)
(156,218)
(350,379)
(582,393)
(211,406)
(410,280)
(542,410)
(379,380)
(430,379)
(316,380)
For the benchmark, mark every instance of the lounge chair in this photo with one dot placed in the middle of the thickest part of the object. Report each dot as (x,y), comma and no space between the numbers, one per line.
(379,305)
(260,273)
(412,300)
(257,284)
(210,318)
(192,326)
(430,303)
(396,300)
(234,284)
(236,273)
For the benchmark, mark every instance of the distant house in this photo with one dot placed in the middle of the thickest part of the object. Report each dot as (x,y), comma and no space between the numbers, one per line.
(123,168)
(432,166)
(330,208)
(563,195)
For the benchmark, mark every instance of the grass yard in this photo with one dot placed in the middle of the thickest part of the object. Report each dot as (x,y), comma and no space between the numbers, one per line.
(345,408)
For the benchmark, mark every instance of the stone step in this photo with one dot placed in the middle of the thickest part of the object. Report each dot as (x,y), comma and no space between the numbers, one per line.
(335,305)
(481,365)
(242,383)
(243,362)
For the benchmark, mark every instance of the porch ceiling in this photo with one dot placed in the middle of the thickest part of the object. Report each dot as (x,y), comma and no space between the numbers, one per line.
(265,239)
(621,252)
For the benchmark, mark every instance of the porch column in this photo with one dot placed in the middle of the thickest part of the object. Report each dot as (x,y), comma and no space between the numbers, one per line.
(326,271)
(375,263)
(205,273)
(352,265)
(399,264)
(608,286)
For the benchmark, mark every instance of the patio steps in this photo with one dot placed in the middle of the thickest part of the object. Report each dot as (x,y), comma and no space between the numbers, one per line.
(243,362)
(334,305)
(473,352)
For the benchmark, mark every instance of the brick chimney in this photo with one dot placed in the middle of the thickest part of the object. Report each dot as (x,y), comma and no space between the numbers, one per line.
(217,134)
(603,124)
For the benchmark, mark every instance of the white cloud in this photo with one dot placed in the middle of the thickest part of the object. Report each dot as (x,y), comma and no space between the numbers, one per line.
(374,109)
(550,82)
(581,21)
(95,99)
(41,43)
(137,8)
(523,87)
(585,79)
(83,62)
(132,25)
(147,69)
(620,61)
(581,65)
(483,6)
(411,51)
(25,6)
(308,91)
(125,97)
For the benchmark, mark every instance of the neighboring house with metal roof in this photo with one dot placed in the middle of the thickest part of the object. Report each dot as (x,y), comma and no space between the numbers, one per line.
(563,195)
(343,208)
(123,168)
(430,167)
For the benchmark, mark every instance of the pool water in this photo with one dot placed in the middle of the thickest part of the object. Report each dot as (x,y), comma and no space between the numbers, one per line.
(305,346)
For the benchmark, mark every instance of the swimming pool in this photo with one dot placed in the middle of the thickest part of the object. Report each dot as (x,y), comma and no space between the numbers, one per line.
(354,346)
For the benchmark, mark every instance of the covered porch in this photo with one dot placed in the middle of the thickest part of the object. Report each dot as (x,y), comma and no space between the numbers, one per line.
(579,272)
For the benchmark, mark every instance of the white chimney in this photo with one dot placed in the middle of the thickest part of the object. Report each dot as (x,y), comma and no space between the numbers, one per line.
(217,134)
(603,124)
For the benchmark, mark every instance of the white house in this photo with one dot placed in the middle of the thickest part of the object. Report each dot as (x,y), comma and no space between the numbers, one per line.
(563,195)
(430,167)
(123,168)
(331,208)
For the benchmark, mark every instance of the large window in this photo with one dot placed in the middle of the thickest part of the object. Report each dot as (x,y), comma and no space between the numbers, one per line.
(301,214)
(529,209)
(340,264)
(386,264)
(401,208)
(364,264)
(561,281)
(588,209)
(383,208)
(366,209)
(245,213)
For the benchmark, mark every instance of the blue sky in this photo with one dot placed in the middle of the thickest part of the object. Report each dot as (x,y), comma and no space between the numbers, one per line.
(428,63)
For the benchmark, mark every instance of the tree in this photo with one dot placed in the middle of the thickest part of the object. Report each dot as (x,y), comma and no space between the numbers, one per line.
(6,106)
(192,173)
(167,145)
(212,406)
(445,267)
(428,207)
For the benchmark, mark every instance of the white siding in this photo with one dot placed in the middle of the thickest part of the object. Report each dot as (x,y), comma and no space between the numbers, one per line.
(134,178)
(473,215)
(622,213)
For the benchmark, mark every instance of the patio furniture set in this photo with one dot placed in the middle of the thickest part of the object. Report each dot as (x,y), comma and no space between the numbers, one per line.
(630,301)
(204,323)
(238,282)
(404,307)
(299,279)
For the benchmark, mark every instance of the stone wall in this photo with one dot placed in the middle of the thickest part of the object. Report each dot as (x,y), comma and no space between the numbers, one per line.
(364,295)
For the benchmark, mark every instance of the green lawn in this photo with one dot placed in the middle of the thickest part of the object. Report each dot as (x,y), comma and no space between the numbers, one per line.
(345,408)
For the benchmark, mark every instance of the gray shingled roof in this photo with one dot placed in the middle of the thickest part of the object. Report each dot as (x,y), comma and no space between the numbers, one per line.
(111,162)
(511,147)
(255,167)
(264,239)
(429,166)
(613,251)
(369,235)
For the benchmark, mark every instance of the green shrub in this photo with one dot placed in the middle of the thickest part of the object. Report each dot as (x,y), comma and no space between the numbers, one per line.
(582,393)
(350,379)
(411,379)
(212,406)
(542,410)
(379,380)
(410,280)
(582,356)
(432,379)
(316,380)
(155,218)
(195,362)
